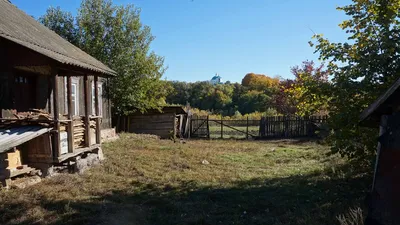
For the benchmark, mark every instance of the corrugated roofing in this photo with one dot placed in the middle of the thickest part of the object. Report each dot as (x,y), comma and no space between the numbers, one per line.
(10,138)
(18,27)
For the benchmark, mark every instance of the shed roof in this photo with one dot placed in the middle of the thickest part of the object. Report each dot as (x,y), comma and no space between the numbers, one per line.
(10,138)
(166,109)
(18,27)
(384,105)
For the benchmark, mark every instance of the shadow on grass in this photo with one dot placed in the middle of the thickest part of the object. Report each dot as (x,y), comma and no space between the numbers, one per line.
(310,199)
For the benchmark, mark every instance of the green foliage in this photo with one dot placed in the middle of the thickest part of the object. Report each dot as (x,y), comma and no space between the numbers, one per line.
(362,68)
(116,36)
(253,101)
(63,23)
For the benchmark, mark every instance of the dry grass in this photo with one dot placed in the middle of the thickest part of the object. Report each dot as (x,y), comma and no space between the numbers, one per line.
(353,217)
(149,181)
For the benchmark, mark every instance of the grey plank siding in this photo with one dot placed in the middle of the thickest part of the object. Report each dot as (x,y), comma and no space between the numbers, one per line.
(157,124)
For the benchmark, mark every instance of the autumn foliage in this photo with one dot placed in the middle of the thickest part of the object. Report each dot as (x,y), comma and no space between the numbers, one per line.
(260,82)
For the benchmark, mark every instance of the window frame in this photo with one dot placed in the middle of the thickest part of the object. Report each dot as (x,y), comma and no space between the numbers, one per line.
(100,97)
(75,98)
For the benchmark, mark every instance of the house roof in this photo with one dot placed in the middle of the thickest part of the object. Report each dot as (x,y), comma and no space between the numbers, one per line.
(385,104)
(18,27)
(10,138)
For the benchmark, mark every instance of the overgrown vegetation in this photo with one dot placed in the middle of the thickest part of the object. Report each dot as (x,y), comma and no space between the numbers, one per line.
(363,68)
(149,181)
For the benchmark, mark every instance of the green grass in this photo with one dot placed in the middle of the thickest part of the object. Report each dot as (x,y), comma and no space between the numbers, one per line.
(229,133)
(149,181)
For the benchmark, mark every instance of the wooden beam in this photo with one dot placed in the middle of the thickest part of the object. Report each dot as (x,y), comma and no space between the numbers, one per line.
(70,115)
(56,113)
(97,109)
(86,96)
(382,130)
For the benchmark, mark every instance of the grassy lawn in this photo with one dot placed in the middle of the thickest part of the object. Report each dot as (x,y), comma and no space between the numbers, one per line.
(215,132)
(150,181)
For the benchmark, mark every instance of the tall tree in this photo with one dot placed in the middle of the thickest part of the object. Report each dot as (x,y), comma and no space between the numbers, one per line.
(310,90)
(362,68)
(116,36)
(63,23)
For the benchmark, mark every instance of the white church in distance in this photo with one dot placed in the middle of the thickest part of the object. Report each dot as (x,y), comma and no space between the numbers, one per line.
(217,79)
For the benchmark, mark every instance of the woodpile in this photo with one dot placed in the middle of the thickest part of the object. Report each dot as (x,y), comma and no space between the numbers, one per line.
(32,117)
(78,130)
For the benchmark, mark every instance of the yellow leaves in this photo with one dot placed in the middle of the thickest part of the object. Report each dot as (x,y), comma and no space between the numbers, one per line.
(260,81)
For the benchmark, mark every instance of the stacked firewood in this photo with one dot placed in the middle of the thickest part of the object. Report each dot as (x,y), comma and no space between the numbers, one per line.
(31,117)
(79,130)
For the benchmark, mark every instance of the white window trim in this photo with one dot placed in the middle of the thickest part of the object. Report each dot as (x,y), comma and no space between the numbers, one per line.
(74,81)
(76,102)
(100,97)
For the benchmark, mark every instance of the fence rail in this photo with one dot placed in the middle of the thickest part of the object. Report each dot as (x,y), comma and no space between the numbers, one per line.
(267,127)
(291,127)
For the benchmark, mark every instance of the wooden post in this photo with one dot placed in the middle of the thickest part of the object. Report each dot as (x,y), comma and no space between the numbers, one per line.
(70,116)
(247,128)
(222,128)
(208,127)
(56,113)
(382,129)
(97,109)
(86,96)
(174,126)
(190,126)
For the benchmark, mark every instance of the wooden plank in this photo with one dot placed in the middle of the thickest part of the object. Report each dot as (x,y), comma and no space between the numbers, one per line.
(9,173)
(97,110)
(222,128)
(56,112)
(77,152)
(174,125)
(247,128)
(382,130)
(86,96)
(70,115)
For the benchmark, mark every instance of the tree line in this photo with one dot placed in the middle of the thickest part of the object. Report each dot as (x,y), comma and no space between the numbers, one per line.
(257,93)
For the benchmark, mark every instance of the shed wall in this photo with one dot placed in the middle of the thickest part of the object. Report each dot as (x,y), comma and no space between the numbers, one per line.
(162,125)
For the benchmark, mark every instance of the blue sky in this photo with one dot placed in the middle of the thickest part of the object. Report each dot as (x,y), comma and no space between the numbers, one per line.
(199,38)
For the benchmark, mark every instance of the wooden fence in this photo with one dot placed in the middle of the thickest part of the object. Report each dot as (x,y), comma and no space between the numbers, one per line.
(267,127)
(291,127)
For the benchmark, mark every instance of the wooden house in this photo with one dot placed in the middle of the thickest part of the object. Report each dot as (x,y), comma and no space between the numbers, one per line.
(384,200)
(66,87)
(167,123)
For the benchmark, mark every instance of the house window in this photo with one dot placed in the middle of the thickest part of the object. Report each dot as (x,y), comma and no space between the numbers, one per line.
(100,90)
(74,98)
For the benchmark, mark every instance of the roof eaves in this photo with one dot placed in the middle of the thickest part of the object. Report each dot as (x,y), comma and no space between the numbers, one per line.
(50,54)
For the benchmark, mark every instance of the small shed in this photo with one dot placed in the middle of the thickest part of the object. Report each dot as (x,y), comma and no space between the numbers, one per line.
(167,123)
(384,201)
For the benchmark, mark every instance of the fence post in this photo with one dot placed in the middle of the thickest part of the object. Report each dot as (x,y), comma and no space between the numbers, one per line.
(222,128)
(208,127)
(247,128)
